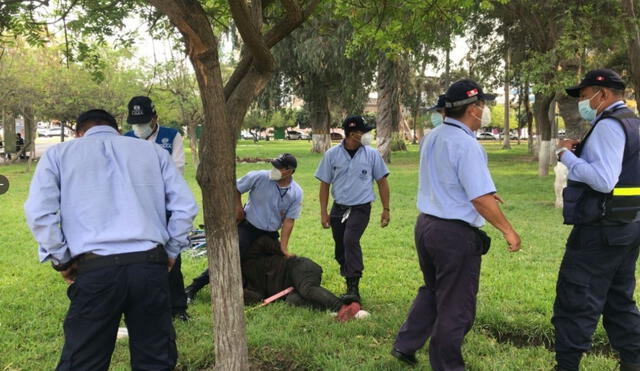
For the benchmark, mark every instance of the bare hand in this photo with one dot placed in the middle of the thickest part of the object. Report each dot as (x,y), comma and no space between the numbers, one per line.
(240,215)
(498,198)
(170,263)
(569,144)
(288,255)
(69,275)
(513,240)
(385,218)
(324,220)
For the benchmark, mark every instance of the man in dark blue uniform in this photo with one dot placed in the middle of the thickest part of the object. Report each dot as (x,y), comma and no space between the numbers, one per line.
(601,201)
(144,119)
(98,208)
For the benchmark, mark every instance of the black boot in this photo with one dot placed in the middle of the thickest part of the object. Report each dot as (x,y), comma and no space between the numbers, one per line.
(191,291)
(353,293)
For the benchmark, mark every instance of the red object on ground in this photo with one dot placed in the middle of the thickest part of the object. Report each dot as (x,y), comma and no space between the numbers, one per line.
(277,296)
(347,312)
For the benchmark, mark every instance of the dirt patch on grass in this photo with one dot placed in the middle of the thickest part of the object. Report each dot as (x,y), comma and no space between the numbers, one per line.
(251,160)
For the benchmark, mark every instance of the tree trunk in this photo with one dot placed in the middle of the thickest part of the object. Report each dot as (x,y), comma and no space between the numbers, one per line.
(633,41)
(29,137)
(319,118)
(574,125)
(529,115)
(506,144)
(541,113)
(388,118)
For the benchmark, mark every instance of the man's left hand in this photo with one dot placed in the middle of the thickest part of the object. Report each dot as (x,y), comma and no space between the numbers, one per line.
(170,263)
(569,144)
(385,218)
(69,275)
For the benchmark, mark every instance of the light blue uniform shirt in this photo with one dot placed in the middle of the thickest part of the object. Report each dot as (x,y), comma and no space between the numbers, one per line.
(107,194)
(351,179)
(453,171)
(269,204)
(600,163)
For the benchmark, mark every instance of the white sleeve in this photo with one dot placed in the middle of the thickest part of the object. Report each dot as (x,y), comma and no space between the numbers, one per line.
(178,152)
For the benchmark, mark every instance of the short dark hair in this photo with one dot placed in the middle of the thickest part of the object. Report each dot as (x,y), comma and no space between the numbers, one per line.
(95,117)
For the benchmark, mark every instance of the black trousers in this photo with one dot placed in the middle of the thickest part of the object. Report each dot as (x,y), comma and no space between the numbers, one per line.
(597,276)
(348,252)
(247,234)
(445,307)
(176,288)
(306,277)
(99,299)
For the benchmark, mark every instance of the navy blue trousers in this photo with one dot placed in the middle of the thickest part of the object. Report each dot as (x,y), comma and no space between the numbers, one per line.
(445,307)
(597,277)
(99,299)
(348,252)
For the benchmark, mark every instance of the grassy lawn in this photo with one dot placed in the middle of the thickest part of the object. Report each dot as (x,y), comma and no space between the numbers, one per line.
(512,330)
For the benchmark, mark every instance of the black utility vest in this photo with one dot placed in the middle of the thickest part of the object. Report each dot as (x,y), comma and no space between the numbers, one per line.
(584,205)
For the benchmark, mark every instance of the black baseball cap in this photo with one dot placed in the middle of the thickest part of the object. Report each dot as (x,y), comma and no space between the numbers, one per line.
(285,161)
(464,92)
(438,105)
(355,123)
(96,114)
(601,77)
(141,110)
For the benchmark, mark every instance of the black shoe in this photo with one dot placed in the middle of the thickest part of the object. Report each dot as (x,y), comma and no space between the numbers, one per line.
(352,288)
(191,292)
(182,316)
(409,359)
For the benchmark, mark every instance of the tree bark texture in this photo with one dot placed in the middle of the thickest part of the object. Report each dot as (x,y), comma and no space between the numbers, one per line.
(388,118)
(319,117)
(541,113)
(506,144)
(633,40)
(574,125)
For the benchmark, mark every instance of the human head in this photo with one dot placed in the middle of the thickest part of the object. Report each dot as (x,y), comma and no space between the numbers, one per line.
(601,88)
(286,164)
(465,101)
(437,111)
(142,116)
(355,127)
(93,118)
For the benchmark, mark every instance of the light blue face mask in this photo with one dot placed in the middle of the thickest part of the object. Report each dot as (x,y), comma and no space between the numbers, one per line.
(586,112)
(436,119)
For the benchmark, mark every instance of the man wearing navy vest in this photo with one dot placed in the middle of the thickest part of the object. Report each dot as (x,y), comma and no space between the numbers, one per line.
(601,201)
(144,120)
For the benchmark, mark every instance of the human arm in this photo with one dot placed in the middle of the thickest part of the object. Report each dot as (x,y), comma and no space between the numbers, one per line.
(487,206)
(177,154)
(287,228)
(240,215)
(324,201)
(383,190)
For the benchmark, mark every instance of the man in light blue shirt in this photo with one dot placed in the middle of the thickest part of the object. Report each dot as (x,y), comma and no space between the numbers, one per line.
(602,202)
(455,196)
(98,212)
(350,169)
(275,202)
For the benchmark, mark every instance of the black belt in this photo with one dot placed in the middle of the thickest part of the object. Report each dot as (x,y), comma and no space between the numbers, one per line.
(90,262)
(457,221)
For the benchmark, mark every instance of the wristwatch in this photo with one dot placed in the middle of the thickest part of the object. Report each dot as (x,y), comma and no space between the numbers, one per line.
(62,266)
(561,150)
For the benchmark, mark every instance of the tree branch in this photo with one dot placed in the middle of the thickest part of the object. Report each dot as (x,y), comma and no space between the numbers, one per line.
(263,60)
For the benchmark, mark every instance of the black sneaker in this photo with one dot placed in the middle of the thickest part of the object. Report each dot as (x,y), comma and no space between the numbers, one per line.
(409,359)
(182,316)
(191,292)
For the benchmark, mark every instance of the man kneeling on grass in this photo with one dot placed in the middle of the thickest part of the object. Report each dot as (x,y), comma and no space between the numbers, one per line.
(266,271)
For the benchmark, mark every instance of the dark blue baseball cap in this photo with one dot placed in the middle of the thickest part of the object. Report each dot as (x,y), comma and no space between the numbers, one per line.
(285,161)
(600,77)
(355,123)
(438,105)
(141,110)
(464,92)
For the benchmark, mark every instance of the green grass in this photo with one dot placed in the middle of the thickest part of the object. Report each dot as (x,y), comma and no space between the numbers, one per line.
(514,304)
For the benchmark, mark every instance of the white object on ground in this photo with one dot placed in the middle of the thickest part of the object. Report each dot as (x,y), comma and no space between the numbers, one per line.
(123,333)
(362,314)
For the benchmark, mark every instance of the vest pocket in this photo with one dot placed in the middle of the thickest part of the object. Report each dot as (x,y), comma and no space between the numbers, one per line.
(582,206)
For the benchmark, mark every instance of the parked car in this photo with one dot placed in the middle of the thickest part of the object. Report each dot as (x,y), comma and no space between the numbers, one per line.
(294,135)
(305,136)
(42,132)
(486,136)
(55,132)
(511,136)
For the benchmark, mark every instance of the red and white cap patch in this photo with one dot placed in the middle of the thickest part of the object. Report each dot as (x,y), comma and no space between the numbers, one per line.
(472,93)
(599,78)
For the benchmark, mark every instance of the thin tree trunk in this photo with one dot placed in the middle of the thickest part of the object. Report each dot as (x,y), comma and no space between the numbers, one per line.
(527,109)
(541,112)
(320,118)
(633,41)
(506,144)
(388,118)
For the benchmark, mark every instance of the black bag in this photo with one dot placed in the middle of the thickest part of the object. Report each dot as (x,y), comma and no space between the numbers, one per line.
(485,240)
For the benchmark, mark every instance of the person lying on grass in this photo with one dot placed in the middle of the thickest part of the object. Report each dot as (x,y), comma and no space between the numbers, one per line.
(266,271)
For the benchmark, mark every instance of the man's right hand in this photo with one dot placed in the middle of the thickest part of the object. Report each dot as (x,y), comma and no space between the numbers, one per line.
(513,240)
(170,263)
(240,215)
(324,220)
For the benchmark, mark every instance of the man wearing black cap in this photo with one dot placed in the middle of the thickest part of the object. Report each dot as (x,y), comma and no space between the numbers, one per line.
(144,120)
(455,196)
(350,168)
(601,201)
(275,202)
(142,116)
(437,112)
(97,207)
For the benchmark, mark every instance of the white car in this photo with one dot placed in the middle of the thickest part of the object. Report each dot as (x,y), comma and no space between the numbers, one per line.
(486,136)
(42,132)
(55,132)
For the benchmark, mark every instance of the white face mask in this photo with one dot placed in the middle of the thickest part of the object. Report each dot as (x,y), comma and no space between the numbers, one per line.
(275,174)
(485,120)
(366,139)
(142,130)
